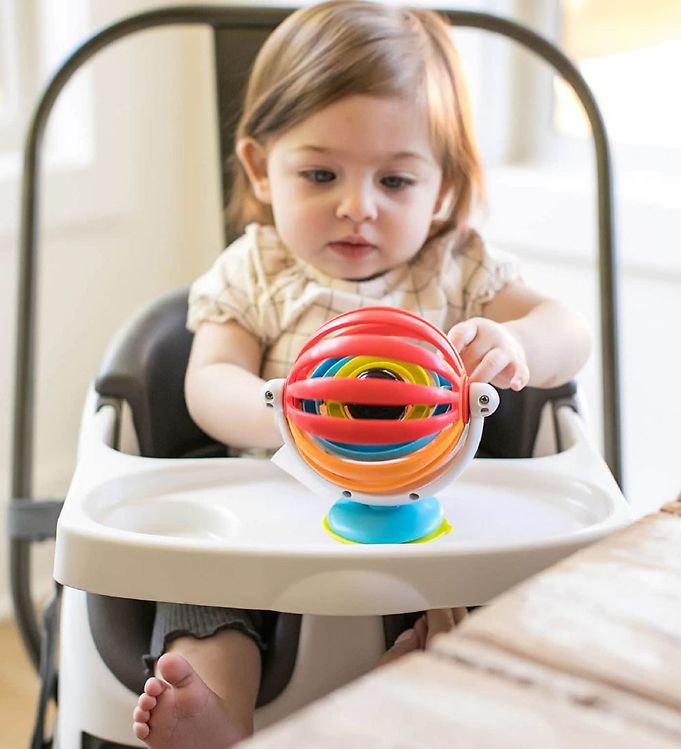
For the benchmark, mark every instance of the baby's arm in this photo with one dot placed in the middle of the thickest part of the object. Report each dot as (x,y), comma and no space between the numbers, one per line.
(223,387)
(523,338)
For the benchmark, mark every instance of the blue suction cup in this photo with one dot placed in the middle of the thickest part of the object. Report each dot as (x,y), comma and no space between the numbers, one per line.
(378,524)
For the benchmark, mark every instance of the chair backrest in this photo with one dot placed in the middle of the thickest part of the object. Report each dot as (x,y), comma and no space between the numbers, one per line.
(144,366)
(235,51)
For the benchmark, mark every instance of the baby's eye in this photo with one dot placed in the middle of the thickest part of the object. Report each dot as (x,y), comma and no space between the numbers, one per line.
(396,182)
(319,176)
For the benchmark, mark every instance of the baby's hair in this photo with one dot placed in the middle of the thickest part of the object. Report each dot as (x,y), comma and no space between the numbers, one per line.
(324,52)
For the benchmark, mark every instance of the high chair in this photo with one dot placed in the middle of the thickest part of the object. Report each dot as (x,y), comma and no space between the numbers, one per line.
(215,530)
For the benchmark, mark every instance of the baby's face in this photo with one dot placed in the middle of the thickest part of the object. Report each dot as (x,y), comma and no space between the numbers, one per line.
(354,187)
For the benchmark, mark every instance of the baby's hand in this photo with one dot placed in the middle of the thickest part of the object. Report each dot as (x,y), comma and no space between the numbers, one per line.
(491,353)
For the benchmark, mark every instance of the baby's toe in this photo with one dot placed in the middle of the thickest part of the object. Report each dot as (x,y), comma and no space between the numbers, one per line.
(141,716)
(421,629)
(459,614)
(141,730)
(154,686)
(439,621)
(146,701)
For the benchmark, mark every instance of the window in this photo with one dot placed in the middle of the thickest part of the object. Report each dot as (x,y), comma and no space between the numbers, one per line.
(7,74)
(630,53)
(35,36)
(13,73)
(70,138)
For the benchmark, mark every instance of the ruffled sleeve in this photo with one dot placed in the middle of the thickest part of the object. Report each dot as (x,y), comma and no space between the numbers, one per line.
(237,287)
(476,273)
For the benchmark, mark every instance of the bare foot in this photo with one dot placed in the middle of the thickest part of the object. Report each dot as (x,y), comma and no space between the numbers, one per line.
(178,711)
(433,622)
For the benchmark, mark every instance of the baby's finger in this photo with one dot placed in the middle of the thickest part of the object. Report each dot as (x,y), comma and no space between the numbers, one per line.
(521,376)
(462,334)
(491,364)
(515,376)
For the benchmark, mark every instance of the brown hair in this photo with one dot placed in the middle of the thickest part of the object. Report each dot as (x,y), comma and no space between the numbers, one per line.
(324,52)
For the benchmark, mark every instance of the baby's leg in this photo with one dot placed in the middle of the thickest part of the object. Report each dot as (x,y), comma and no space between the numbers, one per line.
(203,694)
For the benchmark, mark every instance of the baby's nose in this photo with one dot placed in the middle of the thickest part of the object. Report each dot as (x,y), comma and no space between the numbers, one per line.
(357,205)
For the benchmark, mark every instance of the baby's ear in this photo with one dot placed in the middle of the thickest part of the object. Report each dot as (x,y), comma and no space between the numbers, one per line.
(253,158)
(443,203)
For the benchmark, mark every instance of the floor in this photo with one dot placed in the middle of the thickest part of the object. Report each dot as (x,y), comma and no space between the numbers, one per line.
(18,690)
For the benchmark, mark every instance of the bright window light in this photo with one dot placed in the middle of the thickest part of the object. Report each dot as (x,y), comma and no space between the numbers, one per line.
(630,54)
(35,37)
(8,67)
(70,137)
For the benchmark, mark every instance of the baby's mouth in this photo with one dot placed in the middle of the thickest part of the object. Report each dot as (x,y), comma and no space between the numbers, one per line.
(352,248)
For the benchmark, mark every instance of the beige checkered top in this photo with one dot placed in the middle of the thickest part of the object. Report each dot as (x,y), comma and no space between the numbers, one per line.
(282,301)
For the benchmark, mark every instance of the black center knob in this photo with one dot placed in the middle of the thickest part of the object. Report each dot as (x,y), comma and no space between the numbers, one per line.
(367,411)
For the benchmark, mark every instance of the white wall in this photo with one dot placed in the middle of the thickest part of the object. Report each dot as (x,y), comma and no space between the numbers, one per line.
(546,215)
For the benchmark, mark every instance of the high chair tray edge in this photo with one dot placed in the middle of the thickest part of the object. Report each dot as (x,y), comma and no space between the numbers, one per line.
(240,532)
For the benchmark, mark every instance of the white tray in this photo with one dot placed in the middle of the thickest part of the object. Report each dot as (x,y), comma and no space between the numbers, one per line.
(241,532)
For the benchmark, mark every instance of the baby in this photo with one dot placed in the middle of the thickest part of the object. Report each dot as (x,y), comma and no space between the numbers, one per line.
(356,171)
